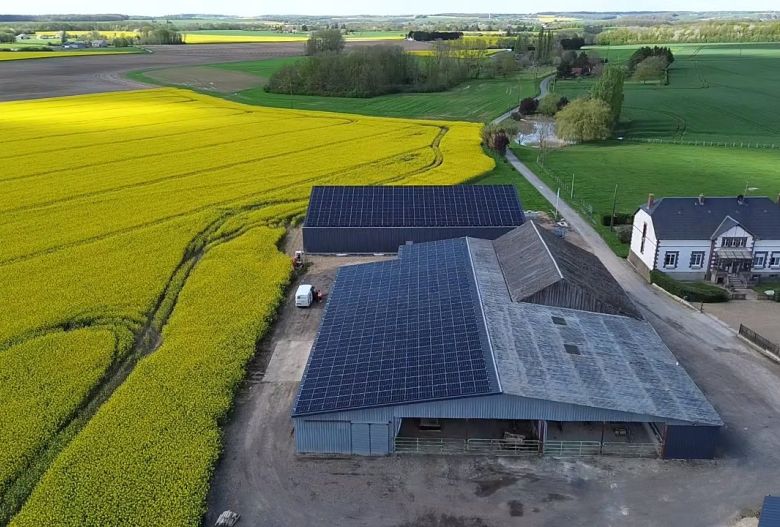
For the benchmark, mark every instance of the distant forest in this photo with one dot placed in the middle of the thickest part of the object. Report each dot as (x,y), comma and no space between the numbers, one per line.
(700,32)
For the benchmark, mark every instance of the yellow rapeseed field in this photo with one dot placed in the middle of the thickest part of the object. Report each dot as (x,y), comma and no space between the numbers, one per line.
(22,55)
(120,210)
(206,38)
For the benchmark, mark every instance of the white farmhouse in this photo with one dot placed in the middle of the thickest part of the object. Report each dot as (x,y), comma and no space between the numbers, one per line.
(730,241)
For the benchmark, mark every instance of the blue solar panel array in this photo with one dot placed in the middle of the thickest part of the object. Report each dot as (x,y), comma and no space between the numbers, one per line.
(414,206)
(400,331)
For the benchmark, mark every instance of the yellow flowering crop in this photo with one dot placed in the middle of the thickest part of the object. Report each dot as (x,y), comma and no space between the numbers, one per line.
(22,55)
(112,204)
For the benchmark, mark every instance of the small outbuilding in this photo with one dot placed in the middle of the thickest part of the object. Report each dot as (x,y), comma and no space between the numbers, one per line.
(379,219)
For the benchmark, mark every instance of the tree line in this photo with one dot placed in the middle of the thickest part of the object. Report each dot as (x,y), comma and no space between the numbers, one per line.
(369,71)
(702,32)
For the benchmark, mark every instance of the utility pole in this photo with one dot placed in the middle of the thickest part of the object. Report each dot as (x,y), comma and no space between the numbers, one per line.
(614,205)
(572,185)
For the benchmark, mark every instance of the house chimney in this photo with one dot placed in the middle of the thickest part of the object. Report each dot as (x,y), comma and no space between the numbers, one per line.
(701,199)
(740,199)
(650,200)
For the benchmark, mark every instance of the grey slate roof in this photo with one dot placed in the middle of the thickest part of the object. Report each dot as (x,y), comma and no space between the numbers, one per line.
(533,259)
(685,219)
(623,364)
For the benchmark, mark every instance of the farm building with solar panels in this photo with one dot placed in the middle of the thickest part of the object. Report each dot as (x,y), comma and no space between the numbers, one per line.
(522,345)
(371,219)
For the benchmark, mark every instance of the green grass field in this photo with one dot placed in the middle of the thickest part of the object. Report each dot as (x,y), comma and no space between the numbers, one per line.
(474,100)
(248,33)
(638,169)
(717,93)
(504,174)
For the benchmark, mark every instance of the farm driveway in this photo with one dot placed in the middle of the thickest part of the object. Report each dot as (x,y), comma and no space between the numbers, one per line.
(762,316)
(262,478)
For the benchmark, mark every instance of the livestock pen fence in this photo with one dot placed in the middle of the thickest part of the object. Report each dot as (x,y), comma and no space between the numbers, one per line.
(509,447)
(760,341)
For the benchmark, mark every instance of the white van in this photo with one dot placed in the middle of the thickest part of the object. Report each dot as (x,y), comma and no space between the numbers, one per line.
(304,296)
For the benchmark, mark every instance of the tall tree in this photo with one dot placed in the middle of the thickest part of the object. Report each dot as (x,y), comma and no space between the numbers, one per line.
(584,120)
(609,88)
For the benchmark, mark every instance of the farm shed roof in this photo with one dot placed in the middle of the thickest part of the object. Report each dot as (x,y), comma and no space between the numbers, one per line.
(400,331)
(414,206)
(685,219)
(770,512)
(579,357)
(386,339)
(533,259)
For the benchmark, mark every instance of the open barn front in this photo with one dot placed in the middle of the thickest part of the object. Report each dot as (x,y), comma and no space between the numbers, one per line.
(504,437)
(501,437)
(624,439)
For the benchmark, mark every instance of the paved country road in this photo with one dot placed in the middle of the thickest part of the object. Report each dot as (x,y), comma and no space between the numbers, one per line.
(544,88)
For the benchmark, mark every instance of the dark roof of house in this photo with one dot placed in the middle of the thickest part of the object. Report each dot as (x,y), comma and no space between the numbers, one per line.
(438,322)
(685,219)
(770,512)
(533,259)
(414,206)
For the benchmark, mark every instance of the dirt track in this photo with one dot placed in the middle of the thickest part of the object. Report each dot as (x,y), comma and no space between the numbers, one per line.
(32,79)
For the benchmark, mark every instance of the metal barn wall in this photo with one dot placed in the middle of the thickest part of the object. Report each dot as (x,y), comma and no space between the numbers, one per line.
(690,442)
(331,437)
(368,240)
(356,436)
(313,432)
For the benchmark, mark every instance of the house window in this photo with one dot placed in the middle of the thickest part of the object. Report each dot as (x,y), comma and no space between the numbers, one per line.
(644,236)
(759,260)
(774,261)
(670,259)
(697,259)
(735,241)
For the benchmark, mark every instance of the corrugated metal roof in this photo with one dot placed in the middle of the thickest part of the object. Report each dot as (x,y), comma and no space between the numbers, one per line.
(623,364)
(685,219)
(770,512)
(533,259)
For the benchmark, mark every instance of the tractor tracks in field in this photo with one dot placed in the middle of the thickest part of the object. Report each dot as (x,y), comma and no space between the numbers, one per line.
(148,332)
(148,338)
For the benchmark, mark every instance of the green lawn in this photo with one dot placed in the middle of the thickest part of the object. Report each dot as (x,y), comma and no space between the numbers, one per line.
(717,92)
(505,174)
(638,169)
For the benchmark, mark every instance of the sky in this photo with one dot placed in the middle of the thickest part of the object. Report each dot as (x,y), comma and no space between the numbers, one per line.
(353,7)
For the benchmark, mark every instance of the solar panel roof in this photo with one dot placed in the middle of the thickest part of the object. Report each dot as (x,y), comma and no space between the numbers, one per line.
(400,331)
(414,206)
